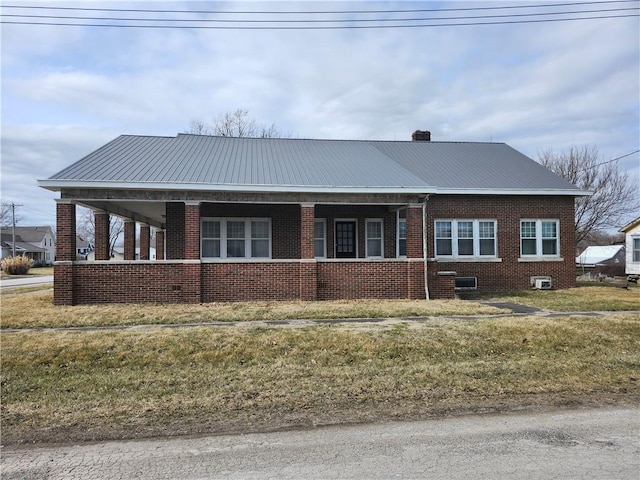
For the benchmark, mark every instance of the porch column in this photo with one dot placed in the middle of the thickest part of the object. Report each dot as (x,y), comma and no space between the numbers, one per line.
(415,258)
(145,241)
(159,244)
(191,268)
(65,253)
(101,223)
(129,240)
(175,231)
(308,264)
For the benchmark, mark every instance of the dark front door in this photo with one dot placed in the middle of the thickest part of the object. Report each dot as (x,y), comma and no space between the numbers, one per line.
(346,239)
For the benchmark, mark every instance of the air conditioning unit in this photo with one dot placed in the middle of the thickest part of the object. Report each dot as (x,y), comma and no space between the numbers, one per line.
(543,284)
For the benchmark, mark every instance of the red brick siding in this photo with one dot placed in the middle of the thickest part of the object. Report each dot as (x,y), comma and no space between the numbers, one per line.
(192,231)
(510,274)
(175,230)
(145,241)
(362,279)
(65,232)
(63,281)
(132,283)
(129,240)
(232,282)
(101,223)
(159,244)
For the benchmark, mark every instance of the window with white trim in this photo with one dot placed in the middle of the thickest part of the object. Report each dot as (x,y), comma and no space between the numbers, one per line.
(539,238)
(235,238)
(374,234)
(635,249)
(320,237)
(465,238)
(402,237)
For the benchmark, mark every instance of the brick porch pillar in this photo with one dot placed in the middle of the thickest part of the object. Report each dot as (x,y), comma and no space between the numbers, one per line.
(174,231)
(145,241)
(191,277)
(415,258)
(308,264)
(129,240)
(159,244)
(65,253)
(101,223)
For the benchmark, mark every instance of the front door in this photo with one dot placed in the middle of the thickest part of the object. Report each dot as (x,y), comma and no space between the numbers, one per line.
(345,239)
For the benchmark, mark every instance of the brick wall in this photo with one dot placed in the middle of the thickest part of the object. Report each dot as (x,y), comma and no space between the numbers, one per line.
(509,274)
(192,281)
(232,282)
(362,279)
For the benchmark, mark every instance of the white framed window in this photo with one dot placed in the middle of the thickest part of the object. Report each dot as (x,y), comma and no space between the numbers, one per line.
(539,238)
(465,238)
(235,238)
(320,237)
(401,235)
(374,238)
(635,249)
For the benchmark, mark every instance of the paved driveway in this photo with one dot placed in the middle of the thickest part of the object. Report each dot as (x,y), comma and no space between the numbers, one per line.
(593,444)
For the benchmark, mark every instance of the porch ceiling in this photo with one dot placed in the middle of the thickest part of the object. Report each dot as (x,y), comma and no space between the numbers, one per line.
(150,212)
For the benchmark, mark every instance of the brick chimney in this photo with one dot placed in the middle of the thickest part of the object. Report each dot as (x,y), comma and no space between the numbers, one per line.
(421,136)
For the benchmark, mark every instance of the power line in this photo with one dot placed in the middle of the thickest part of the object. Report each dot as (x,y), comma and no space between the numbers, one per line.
(276,12)
(609,161)
(332,27)
(209,20)
(327,24)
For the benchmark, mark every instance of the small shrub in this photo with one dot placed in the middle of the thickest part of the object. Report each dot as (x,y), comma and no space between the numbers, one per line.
(17,265)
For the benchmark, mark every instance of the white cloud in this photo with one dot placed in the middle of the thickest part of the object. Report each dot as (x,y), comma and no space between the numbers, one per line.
(68,90)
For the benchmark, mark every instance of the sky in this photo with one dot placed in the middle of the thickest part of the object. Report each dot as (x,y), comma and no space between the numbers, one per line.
(539,86)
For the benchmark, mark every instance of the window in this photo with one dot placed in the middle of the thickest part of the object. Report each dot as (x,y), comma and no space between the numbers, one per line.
(374,237)
(402,237)
(320,237)
(236,238)
(539,238)
(635,248)
(466,283)
(465,238)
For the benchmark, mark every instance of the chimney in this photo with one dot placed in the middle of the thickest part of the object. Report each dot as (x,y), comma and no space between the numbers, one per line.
(421,136)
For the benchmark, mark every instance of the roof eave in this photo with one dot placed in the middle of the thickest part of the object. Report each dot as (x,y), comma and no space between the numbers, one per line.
(58,185)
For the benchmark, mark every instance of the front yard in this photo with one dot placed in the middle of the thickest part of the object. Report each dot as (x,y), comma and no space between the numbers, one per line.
(75,385)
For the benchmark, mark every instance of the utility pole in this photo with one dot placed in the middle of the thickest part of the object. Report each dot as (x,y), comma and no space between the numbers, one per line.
(13,223)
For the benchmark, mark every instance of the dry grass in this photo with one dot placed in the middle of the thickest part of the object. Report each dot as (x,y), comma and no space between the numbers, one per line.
(37,310)
(63,386)
(580,299)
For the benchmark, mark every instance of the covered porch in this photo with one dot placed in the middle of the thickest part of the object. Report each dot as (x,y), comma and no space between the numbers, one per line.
(237,246)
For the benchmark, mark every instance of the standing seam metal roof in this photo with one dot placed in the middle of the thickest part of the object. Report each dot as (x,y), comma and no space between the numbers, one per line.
(215,161)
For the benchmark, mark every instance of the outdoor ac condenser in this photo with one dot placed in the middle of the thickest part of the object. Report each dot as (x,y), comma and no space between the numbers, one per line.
(543,284)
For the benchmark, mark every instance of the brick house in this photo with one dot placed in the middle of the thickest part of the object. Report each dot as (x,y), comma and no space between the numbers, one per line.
(283,219)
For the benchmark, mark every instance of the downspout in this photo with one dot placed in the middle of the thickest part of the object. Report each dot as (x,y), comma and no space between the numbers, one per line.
(424,245)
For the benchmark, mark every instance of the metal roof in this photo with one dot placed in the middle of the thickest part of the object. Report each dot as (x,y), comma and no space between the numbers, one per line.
(282,164)
(597,254)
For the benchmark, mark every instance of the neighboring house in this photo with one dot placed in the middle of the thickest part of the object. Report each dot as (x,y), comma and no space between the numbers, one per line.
(632,243)
(83,247)
(37,243)
(283,219)
(602,260)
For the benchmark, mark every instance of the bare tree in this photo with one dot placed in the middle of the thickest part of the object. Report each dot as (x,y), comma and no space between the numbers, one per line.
(7,213)
(615,192)
(86,228)
(234,124)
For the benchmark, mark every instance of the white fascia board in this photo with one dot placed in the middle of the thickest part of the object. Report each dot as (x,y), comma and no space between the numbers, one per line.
(511,191)
(57,185)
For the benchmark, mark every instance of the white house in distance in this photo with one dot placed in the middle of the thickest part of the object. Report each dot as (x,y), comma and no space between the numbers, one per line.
(632,243)
(37,243)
